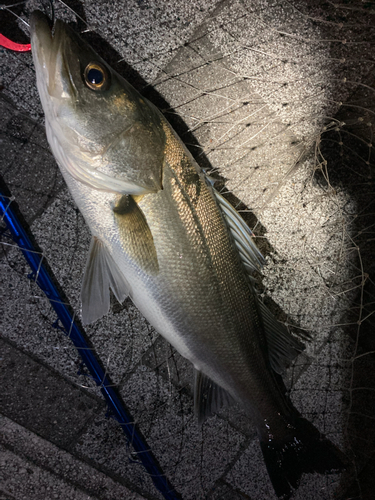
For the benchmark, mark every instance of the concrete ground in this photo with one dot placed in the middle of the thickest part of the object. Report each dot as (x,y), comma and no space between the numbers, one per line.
(278,98)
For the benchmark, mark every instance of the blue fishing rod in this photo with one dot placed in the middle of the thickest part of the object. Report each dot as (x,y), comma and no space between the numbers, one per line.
(43,279)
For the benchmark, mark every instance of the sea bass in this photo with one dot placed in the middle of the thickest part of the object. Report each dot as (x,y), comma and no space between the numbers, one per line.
(164,237)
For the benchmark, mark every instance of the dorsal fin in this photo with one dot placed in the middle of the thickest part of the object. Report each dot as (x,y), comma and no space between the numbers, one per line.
(242,235)
(283,348)
(208,397)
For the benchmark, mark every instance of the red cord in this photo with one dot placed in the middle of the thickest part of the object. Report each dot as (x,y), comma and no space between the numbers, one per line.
(17,47)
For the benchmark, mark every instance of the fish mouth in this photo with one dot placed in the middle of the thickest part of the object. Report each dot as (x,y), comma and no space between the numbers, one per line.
(51,52)
(43,45)
(41,35)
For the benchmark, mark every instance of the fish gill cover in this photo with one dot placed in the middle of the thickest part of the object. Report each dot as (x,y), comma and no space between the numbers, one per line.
(277,98)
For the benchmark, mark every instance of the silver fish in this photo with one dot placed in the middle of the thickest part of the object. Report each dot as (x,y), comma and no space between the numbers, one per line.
(164,237)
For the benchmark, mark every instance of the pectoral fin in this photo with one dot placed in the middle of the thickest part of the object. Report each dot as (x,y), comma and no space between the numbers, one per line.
(208,397)
(101,273)
(136,235)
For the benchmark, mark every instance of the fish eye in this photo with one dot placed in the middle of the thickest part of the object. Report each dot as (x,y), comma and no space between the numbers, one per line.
(96,76)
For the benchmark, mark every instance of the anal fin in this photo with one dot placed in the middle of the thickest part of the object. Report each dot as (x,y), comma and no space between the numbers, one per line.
(208,397)
(101,273)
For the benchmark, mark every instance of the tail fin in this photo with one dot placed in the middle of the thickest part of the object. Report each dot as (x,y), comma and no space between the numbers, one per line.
(303,450)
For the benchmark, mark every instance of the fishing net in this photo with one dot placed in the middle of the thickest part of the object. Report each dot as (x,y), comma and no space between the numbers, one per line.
(276,100)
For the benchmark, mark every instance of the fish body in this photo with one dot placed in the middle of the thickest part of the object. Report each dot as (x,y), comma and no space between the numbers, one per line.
(162,236)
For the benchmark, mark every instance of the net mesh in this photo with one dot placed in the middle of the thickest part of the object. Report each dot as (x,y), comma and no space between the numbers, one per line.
(275,99)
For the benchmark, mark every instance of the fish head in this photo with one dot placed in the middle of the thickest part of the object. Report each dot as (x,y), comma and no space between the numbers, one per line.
(100,129)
